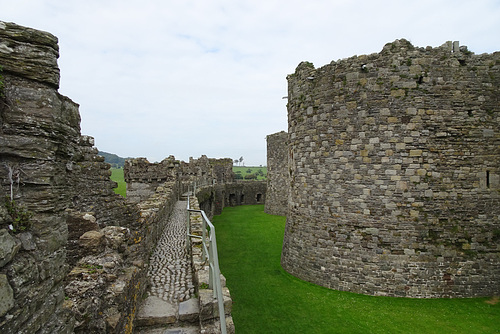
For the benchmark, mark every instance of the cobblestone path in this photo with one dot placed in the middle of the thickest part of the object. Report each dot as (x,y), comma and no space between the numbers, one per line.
(170,266)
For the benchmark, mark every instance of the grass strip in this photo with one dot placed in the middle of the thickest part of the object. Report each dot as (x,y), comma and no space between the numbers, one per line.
(269,300)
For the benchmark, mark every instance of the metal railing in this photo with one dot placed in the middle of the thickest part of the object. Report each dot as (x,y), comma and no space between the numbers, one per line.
(209,251)
(190,186)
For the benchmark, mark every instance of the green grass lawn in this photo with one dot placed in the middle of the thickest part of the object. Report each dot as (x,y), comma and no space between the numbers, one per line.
(117,176)
(269,300)
(260,171)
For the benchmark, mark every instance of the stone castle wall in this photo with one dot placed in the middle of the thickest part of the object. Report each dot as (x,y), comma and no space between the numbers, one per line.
(143,177)
(278,181)
(207,170)
(212,179)
(394,173)
(213,199)
(39,132)
(71,250)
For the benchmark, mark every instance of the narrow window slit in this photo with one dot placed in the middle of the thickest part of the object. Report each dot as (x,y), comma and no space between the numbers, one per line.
(487,179)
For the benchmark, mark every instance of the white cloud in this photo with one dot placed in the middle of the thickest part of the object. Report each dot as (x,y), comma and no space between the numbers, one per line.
(155,78)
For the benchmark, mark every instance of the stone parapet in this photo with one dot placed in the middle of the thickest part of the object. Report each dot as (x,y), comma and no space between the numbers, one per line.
(72,254)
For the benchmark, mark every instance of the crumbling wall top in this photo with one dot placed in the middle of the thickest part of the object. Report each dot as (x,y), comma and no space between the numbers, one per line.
(29,53)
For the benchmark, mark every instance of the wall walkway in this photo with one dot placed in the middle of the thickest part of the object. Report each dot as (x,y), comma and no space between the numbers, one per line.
(171,300)
(177,300)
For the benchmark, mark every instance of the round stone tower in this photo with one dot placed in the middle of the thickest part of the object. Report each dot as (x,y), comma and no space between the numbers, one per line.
(394,162)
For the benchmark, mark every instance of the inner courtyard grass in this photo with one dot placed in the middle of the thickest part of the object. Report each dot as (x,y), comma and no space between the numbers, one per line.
(269,300)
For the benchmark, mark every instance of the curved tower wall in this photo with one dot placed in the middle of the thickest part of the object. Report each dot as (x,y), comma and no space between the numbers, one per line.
(278,184)
(394,173)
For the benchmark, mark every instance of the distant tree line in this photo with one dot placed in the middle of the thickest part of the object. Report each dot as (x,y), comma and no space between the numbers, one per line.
(112,159)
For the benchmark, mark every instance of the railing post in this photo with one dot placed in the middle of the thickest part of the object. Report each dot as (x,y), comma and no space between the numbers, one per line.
(188,227)
(218,284)
(204,238)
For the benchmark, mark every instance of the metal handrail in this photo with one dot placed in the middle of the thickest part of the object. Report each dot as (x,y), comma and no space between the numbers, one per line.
(210,254)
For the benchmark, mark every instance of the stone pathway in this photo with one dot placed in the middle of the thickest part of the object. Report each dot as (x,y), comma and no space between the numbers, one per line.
(171,298)
(170,266)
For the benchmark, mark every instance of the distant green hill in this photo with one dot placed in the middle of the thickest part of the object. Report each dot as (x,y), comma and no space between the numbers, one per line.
(112,159)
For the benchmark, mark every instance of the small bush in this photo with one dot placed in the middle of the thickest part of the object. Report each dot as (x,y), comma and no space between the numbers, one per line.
(21,217)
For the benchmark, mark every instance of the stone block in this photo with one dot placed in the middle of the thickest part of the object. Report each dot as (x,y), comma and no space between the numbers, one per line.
(400,146)
(92,241)
(415,153)
(421,172)
(189,310)
(27,241)
(155,312)
(6,295)
(408,140)
(9,246)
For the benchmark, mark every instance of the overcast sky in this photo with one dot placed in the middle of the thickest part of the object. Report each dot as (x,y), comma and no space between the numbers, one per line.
(189,77)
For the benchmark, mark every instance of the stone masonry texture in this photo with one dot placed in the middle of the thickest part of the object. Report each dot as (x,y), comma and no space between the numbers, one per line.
(394,173)
(39,131)
(73,254)
(278,181)
(143,177)
(74,262)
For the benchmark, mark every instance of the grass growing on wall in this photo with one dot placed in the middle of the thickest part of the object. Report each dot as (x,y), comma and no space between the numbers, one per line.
(269,300)
(117,176)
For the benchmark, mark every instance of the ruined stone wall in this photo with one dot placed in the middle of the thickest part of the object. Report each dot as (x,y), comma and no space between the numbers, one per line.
(245,193)
(72,252)
(143,177)
(213,199)
(103,251)
(39,132)
(94,205)
(206,171)
(395,170)
(222,170)
(278,184)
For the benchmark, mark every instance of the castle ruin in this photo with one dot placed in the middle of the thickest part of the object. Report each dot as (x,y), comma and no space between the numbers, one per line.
(391,186)
(394,171)
(74,255)
(277,174)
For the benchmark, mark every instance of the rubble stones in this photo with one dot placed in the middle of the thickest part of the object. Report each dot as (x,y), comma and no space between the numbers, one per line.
(92,241)
(116,236)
